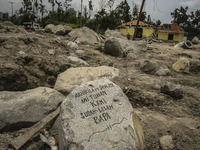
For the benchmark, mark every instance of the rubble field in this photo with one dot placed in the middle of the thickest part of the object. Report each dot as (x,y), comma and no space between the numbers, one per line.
(31,59)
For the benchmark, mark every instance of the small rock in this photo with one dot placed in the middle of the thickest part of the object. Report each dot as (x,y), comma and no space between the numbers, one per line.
(166,142)
(51,51)
(80,52)
(51,80)
(148,66)
(131,56)
(21,53)
(76,60)
(175,91)
(195,40)
(74,77)
(163,72)
(149,47)
(72,45)
(182,65)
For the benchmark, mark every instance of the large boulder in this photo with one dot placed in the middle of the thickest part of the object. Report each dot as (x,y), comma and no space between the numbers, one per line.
(8,26)
(113,33)
(85,35)
(181,65)
(74,77)
(58,29)
(22,109)
(49,28)
(7,23)
(98,115)
(173,90)
(67,29)
(121,47)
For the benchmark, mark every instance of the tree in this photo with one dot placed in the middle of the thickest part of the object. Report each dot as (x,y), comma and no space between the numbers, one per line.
(149,19)
(67,4)
(42,9)
(27,6)
(123,11)
(180,16)
(158,23)
(189,22)
(36,7)
(110,4)
(52,4)
(135,12)
(143,16)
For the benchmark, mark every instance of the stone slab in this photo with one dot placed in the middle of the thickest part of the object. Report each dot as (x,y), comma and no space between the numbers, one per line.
(98,115)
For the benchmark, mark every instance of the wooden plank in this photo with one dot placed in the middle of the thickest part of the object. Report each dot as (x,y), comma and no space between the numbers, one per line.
(22,139)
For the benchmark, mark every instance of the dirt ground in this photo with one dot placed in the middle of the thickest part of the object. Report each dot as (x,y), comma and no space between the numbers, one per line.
(25,63)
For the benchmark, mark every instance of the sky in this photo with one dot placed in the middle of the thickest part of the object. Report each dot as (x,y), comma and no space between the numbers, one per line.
(158,9)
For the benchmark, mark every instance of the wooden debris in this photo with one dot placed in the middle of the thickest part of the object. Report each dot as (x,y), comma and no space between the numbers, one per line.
(22,139)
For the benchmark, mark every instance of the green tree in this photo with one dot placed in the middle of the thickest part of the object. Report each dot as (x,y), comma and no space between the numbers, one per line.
(52,4)
(158,23)
(143,16)
(110,4)
(123,11)
(149,19)
(67,4)
(135,12)
(42,9)
(180,16)
(189,22)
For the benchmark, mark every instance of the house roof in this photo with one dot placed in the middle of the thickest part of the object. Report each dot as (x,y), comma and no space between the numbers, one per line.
(171,27)
(134,23)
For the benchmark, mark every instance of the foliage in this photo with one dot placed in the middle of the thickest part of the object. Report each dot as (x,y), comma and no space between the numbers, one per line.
(135,12)
(123,11)
(189,22)
(62,13)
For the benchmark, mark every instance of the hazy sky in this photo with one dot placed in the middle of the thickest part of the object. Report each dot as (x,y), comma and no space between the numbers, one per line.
(158,9)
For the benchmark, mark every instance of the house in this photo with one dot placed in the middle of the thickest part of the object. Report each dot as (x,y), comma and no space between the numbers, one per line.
(171,32)
(144,29)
